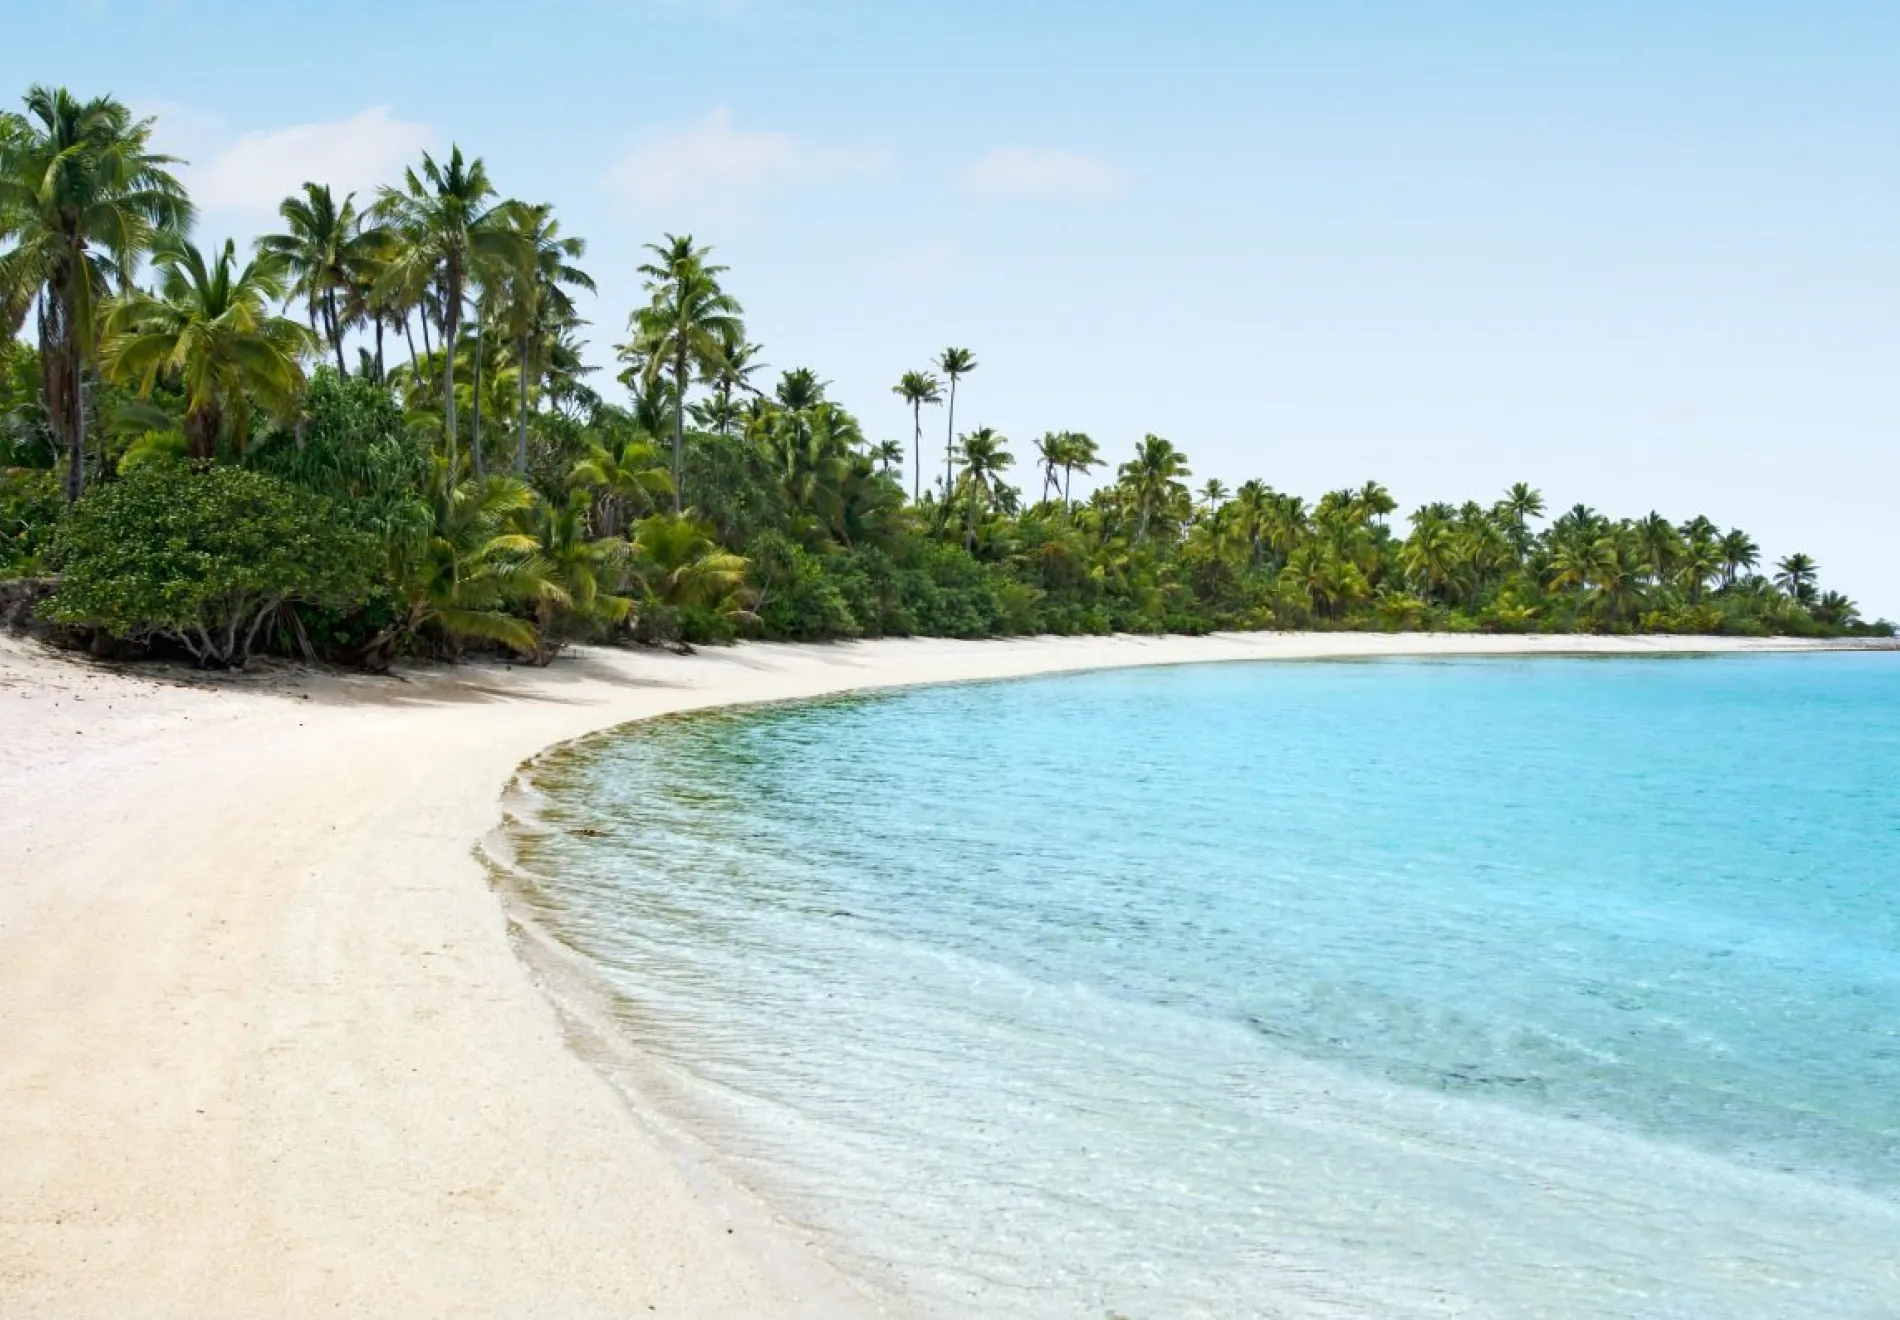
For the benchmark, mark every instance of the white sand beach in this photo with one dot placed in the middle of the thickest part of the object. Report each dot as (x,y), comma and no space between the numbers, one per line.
(268,1047)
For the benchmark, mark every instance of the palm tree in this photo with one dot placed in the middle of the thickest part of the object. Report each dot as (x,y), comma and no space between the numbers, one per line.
(917,388)
(738,363)
(677,562)
(326,253)
(955,364)
(1795,575)
(447,222)
(1214,493)
(1524,502)
(984,459)
(626,477)
(459,576)
(1376,500)
(576,563)
(1153,478)
(1051,450)
(685,328)
(1739,553)
(538,301)
(887,455)
(1079,454)
(211,326)
(82,199)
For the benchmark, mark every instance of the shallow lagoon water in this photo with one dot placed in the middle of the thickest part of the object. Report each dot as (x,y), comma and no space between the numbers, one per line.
(1492,987)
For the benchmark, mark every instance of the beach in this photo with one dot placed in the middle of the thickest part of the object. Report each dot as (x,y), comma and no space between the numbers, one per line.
(270,1045)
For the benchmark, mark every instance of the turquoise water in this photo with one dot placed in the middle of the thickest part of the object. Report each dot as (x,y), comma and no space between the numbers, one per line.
(1493,987)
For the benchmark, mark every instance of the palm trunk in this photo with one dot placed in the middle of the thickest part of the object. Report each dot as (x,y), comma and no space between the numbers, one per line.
(1067,472)
(415,369)
(679,429)
(475,411)
(521,431)
(59,382)
(336,331)
(380,374)
(917,452)
(949,439)
(451,321)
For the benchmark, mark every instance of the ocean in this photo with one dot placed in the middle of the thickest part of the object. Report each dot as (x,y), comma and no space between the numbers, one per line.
(1543,987)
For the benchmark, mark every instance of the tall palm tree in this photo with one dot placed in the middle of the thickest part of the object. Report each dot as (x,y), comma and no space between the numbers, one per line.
(82,199)
(887,454)
(1214,493)
(1739,553)
(917,388)
(984,460)
(684,329)
(1079,454)
(1524,501)
(955,364)
(326,253)
(1051,452)
(738,363)
(1154,479)
(538,302)
(447,219)
(210,325)
(1795,575)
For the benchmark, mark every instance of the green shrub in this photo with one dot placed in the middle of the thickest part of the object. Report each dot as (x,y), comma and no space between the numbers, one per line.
(30,508)
(205,558)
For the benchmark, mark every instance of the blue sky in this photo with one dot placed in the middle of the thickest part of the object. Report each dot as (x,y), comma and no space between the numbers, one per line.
(1643,255)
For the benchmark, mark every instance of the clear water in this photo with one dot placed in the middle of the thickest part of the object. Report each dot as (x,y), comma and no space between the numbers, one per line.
(1547,987)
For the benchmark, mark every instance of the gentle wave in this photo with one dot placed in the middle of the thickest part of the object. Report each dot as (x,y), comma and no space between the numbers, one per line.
(1513,988)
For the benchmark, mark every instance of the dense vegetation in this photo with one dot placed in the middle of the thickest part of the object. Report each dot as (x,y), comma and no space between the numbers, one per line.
(375,435)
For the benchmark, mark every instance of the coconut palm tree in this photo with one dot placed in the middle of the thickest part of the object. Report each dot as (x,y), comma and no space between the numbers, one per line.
(1079,454)
(684,329)
(738,363)
(887,454)
(210,325)
(326,253)
(578,564)
(1795,575)
(1051,451)
(955,364)
(985,457)
(1153,480)
(677,562)
(447,220)
(82,199)
(538,301)
(918,388)
(626,477)
(1739,554)
(1214,493)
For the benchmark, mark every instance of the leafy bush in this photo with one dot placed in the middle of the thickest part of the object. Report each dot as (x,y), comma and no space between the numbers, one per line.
(354,449)
(205,559)
(30,507)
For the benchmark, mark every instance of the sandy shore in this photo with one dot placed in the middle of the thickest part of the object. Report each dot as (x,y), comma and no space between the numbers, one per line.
(268,1049)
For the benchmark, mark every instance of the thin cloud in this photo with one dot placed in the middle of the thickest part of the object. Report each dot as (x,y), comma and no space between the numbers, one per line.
(716,164)
(257,170)
(1026,172)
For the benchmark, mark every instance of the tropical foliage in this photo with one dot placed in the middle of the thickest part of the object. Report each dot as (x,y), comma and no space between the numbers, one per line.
(377,436)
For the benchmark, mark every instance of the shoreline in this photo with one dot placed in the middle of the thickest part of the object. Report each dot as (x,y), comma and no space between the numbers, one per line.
(273,1047)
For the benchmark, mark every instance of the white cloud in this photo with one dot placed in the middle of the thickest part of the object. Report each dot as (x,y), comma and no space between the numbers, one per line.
(1027,172)
(257,170)
(714,163)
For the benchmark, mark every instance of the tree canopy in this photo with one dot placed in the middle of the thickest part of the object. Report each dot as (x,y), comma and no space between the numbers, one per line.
(378,435)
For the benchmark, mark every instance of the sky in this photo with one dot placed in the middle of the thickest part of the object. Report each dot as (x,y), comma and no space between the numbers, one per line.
(1644,255)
